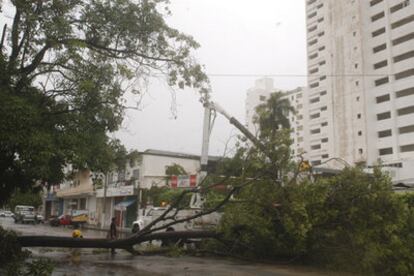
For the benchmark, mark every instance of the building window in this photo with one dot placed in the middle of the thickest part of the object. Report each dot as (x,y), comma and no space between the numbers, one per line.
(383,116)
(262,98)
(405,92)
(382,81)
(313,71)
(315,131)
(404,74)
(313,85)
(403,39)
(315,116)
(400,6)
(359,133)
(325,140)
(323,93)
(377,16)
(374,2)
(406,129)
(379,48)
(325,156)
(312,42)
(359,116)
(383,98)
(316,147)
(324,124)
(378,32)
(385,151)
(385,133)
(358,98)
(402,22)
(405,110)
(407,148)
(315,100)
(404,56)
(380,64)
(312,15)
(357,83)
(324,108)
(82,205)
(121,176)
(360,151)
(316,162)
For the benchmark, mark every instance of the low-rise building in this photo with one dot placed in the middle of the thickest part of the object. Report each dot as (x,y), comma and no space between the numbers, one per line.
(120,194)
(78,193)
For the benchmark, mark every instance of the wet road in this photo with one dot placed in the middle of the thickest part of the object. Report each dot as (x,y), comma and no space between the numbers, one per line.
(101,262)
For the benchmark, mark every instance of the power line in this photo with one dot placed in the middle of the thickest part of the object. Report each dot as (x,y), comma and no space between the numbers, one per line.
(300,75)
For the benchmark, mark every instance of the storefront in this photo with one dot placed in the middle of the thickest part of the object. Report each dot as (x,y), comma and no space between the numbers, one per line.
(119,202)
(125,211)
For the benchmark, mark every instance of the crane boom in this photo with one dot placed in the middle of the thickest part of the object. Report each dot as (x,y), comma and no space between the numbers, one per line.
(215,106)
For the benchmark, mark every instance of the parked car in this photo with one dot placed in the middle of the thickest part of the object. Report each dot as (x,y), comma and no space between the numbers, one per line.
(24,214)
(7,214)
(60,220)
(77,218)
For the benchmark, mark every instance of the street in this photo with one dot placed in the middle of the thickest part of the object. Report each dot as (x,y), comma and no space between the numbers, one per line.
(101,262)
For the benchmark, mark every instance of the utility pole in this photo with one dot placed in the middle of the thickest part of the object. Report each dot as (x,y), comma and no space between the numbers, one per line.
(197,200)
(138,197)
(206,136)
(104,200)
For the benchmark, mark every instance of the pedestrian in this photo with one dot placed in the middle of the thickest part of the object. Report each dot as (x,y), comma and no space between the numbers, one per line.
(112,233)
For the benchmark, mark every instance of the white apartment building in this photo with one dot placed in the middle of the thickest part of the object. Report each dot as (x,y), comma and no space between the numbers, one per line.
(261,92)
(361,82)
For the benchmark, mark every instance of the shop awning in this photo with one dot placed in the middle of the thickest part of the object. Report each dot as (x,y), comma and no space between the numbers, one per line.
(123,205)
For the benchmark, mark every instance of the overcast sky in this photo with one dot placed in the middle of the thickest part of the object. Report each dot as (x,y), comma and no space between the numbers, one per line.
(246,37)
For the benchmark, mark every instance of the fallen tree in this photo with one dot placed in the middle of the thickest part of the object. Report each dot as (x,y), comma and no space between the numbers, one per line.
(50,241)
(151,232)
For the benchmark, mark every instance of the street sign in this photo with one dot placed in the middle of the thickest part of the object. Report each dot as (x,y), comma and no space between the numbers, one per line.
(183,181)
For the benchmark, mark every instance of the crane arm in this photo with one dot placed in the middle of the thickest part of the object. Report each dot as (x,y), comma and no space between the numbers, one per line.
(238,125)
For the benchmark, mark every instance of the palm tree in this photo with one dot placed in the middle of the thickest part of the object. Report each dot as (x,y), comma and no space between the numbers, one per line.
(273,114)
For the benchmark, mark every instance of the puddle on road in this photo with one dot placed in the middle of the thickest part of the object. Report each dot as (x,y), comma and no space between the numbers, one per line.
(69,269)
(77,262)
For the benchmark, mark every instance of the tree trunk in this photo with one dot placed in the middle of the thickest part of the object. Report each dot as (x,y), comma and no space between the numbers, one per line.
(50,241)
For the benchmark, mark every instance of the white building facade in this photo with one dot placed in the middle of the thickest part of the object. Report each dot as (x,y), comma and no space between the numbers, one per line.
(361,81)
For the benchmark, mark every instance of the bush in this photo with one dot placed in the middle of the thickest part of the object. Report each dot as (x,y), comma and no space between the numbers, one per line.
(13,259)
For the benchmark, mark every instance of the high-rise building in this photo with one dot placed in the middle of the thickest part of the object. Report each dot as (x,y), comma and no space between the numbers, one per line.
(361,83)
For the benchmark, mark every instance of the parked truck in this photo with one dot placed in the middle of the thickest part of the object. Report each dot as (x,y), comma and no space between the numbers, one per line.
(24,214)
(201,223)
